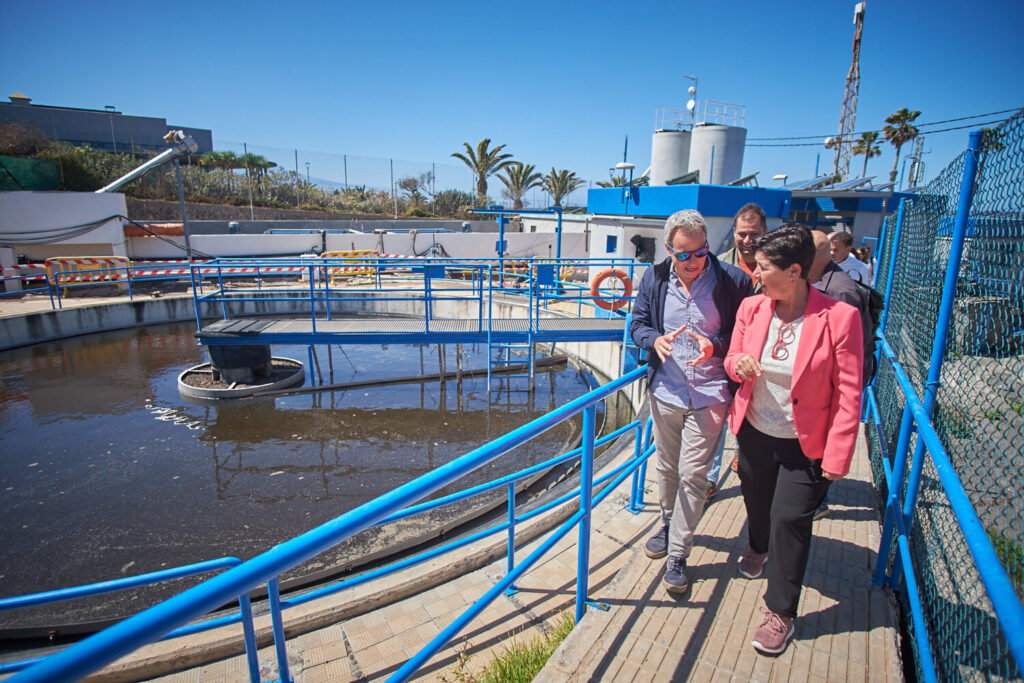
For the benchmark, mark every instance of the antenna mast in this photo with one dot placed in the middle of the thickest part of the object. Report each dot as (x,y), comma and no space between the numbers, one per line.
(917,168)
(843,142)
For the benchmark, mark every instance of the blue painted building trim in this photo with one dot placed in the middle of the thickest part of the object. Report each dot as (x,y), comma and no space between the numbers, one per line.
(664,200)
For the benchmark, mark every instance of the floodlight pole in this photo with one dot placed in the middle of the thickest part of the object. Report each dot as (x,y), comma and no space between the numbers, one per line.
(181,204)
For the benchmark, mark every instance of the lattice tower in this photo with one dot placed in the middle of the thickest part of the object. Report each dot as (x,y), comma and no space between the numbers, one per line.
(917,167)
(844,140)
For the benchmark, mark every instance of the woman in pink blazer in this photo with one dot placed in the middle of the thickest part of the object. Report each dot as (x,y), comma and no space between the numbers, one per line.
(798,356)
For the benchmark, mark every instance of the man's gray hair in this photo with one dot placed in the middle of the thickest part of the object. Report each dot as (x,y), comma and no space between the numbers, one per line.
(688,222)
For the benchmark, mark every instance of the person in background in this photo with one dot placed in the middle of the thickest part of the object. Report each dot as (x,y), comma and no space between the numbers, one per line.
(863,255)
(798,355)
(683,317)
(842,245)
(749,223)
(833,281)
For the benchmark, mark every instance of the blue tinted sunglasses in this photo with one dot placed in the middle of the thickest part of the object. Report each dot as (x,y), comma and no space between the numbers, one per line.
(685,255)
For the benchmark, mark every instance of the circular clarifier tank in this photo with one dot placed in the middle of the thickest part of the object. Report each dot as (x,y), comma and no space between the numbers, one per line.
(109,472)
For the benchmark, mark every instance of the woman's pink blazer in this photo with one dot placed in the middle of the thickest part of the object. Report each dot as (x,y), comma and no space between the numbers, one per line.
(826,386)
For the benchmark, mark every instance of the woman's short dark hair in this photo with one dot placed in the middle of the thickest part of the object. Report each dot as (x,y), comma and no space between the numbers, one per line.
(788,245)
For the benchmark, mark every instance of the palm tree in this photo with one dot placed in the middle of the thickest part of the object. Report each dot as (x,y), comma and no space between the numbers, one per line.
(560,183)
(519,178)
(616,181)
(900,130)
(866,144)
(256,164)
(225,161)
(484,162)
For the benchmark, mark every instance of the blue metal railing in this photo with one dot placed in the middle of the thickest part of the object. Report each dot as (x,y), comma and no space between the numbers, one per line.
(515,276)
(20,285)
(128,583)
(534,278)
(903,483)
(152,624)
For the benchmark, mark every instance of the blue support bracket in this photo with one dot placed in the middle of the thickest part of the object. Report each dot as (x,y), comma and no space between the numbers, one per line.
(598,604)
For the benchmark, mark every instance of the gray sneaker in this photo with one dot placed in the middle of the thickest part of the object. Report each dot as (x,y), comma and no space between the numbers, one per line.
(657,545)
(675,580)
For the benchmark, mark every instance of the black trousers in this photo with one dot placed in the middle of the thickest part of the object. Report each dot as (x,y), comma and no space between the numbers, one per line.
(781,490)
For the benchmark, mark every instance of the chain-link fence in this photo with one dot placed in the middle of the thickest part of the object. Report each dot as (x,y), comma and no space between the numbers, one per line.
(979,400)
(17,173)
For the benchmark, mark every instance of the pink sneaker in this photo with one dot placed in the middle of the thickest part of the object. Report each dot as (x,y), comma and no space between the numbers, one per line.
(752,564)
(774,633)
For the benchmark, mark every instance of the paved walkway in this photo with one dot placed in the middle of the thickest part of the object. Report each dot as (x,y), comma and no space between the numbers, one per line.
(847,630)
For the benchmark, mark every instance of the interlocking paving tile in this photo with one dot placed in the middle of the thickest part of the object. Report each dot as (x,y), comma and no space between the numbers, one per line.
(315,656)
(362,637)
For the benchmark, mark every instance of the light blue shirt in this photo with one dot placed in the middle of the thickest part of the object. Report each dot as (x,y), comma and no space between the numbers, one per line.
(692,386)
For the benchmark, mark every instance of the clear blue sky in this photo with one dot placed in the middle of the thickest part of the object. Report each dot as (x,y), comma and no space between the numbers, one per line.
(560,83)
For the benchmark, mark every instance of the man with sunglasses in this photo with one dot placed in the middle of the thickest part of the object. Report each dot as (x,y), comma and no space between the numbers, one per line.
(683,317)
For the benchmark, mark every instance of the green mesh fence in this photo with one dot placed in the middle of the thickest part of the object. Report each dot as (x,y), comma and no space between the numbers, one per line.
(979,411)
(17,173)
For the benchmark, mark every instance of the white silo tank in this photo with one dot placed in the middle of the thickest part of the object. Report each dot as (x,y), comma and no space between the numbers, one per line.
(670,155)
(717,151)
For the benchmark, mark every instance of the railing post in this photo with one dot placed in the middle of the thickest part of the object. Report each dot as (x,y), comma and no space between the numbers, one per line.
(312,302)
(510,562)
(586,504)
(426,295)
(636,491)
(196,291)
(252,656)
(892,499)
(220,289)
(279,642)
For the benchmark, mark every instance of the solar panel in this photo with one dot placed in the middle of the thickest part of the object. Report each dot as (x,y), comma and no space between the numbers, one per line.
(807,184)
(746,180)
(851,184)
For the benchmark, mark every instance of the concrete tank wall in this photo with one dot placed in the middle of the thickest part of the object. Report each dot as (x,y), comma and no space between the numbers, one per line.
(670,155)
(456,244)
(728,143)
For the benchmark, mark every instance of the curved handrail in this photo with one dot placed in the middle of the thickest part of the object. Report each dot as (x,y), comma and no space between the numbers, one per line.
(106,646)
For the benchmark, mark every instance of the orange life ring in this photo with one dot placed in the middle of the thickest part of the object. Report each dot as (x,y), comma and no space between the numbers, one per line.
(614,304)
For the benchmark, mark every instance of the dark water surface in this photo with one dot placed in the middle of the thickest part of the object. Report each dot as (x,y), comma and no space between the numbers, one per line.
(105,471)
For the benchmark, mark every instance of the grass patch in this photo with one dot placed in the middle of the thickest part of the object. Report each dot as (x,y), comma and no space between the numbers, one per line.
(519,662)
